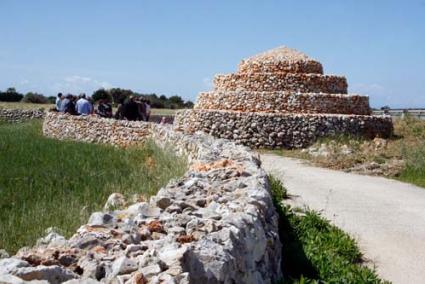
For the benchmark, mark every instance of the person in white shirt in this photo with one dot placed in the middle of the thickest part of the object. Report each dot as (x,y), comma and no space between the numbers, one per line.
(59,102)
(83,106)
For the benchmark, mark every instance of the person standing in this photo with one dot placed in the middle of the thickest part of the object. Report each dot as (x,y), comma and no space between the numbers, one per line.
(65,103)
(59,101)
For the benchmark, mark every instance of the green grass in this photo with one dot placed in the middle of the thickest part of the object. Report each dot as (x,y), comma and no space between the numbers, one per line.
(414,171)
(314,251)
(407,145)
(49,183)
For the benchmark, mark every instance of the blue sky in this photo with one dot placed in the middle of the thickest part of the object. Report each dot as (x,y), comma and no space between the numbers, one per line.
(176,47)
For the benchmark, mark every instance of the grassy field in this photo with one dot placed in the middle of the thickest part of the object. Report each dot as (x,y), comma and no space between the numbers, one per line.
(314,251)
(48,183)
(404,152)
(18,105)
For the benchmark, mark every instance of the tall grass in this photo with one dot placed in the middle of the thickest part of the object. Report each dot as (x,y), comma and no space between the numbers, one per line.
(414,171)
(49,183)
(315,251)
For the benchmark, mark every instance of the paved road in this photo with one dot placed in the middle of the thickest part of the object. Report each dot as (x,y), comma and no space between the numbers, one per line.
(386,217)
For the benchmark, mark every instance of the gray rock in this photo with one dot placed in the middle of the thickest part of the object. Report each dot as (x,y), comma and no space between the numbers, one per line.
(123,265)
(86,242)
(3,254)
(163,202)
(151,270)
(100,219)
(53,274)
(52,239)
(10,265)
(10,279)
(115,201)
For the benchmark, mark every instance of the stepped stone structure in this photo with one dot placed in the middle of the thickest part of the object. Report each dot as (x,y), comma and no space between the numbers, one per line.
(281,98)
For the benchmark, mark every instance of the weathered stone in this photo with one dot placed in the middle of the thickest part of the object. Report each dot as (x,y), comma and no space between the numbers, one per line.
(19,115)
(163,202)
(52,239)
(100,219)
(115,201)
(10,265)
(3,254)
(123,265)
(53,274)
(151,270)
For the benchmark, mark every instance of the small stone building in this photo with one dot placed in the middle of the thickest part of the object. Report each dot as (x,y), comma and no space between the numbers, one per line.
(281,98)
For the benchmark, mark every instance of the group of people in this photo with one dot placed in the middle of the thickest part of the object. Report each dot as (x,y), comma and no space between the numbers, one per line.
(133,108)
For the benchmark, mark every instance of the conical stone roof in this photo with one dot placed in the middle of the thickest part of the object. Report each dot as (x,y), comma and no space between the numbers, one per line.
(280,59)
(279,54)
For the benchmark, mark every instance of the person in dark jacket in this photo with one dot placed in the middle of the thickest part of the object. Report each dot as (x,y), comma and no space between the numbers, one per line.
(130,109)
(104,109)
(69,107)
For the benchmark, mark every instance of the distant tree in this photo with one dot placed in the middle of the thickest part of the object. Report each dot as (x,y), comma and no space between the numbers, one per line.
(35,98)
(119,95)
(385,108)
(101,94)
(51,99)
(176,100)
(11,95)
(188,104)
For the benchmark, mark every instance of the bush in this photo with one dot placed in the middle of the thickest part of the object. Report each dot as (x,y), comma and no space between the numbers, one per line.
(101,94)
(35,98)
(51,99)
(118,96)
(11,95)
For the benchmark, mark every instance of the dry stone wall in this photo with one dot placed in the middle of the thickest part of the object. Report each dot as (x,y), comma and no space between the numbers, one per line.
(285,95)
(268,130)
(18,115)
(216,224)
(294,82)
(258,66)
(284,102)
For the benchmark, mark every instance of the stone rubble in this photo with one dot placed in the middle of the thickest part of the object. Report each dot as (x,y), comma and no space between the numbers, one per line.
(216,224)
(285,95)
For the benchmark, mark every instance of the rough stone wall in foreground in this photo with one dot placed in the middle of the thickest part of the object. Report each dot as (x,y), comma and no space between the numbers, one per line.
(17,115)
(285,95)
(216,224)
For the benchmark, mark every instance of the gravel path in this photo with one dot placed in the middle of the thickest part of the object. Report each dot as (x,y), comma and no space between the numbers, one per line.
(386,217)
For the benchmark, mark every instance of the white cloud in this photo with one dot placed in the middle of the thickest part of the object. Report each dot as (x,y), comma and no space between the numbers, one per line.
(76,84)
